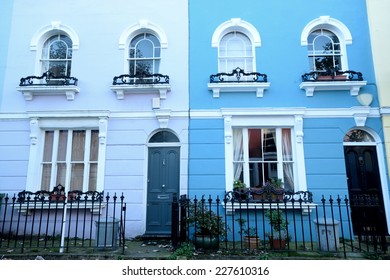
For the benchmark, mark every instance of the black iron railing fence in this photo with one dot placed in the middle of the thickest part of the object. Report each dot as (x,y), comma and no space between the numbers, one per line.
(61,222)
(288,224)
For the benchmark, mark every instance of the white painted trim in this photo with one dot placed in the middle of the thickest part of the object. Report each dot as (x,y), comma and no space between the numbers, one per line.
(53,28)
(334,25)
(218,88)
(142,26)
(352,86)
(236,24)
(329,23)
(30,91)
(381,164)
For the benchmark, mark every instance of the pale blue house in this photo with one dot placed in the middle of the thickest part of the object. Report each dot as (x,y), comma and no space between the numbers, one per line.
(304,107)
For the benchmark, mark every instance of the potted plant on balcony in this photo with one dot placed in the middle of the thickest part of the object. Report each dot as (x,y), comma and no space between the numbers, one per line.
(240,190)
(209,227)
(251,238)
(272,190)
(278,236)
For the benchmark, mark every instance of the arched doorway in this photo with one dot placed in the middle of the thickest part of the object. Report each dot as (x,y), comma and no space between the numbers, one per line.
(364,183)
(163,181)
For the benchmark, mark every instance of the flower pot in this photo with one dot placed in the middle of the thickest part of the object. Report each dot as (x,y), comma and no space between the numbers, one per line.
(277,243)
(251,242)
(332,78)
(206,242)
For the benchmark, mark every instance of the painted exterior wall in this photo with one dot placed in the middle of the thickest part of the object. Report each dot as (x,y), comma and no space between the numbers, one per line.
(380,38)
(125,125)
(5,23)
(319,122)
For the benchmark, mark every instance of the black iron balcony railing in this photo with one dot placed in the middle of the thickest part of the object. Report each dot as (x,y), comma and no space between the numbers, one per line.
(332,75)
(238,75)
(141,78)
(48,79)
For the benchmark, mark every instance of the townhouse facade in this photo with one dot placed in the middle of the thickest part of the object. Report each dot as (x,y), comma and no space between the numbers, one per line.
(285,90)
(150,102)
(95,98)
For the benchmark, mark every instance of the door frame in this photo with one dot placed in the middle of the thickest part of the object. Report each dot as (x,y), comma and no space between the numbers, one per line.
(381,165)
(159,145)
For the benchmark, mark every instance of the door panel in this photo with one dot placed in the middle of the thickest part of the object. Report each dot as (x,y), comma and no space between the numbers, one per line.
(365,191)
(163,182)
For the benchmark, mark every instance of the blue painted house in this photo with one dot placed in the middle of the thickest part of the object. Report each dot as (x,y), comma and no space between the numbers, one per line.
(285,89)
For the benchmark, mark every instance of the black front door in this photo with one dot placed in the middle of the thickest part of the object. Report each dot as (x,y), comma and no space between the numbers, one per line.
(365,191)
(163,182)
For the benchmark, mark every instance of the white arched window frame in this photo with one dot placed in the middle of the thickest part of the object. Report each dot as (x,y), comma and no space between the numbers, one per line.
(236,26)
(46,32)
(337,28)
(136,29)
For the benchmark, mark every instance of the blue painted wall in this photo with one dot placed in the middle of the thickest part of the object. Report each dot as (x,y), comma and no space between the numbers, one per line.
(281,56)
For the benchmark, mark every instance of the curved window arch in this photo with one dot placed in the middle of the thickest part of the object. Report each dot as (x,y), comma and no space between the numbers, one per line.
(235,50)
(236,40)
(326,39)
(358,136)
(144,54)
(57,55)
(164,136)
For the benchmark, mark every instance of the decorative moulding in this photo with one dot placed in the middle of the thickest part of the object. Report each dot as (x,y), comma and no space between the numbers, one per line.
(160,89)
(217,88)
(352,86)
(30,91)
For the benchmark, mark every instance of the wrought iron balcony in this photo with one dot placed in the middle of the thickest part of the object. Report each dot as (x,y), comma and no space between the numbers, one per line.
(141,78)
(332,80)
(332,75)
(48,79)
(238,75)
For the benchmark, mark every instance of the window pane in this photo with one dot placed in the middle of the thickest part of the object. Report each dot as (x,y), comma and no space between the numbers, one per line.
(92,177)
(62,144)
(77,176)
(58,68)
(61,173)
(269,145)
(254,136)
(93,156)
(46,176)
(145,49)
(48,148)
(58,50)
(78,145)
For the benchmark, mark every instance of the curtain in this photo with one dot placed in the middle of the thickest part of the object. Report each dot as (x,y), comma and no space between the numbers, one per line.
(237,153)
(287,160)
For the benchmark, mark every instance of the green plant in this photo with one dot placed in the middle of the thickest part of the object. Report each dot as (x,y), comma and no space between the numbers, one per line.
(185,250)
(205,221)
(278,223)
(245,230)
(238,185)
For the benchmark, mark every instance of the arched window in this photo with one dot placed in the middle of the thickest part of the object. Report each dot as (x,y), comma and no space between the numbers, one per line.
(358,135)
(164,137)
(324,50)
(57,55)
(235,50)
(144,54)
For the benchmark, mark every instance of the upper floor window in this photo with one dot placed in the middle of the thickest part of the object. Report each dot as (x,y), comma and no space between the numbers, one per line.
(235,50)
(57,55)
(144,54)
(324,50)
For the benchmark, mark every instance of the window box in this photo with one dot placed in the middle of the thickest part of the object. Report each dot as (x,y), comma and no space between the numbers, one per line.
(238,81)
(145,83)
(48,85)
(335,81)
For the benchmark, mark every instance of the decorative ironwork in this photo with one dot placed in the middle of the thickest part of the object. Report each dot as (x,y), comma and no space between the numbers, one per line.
(141,78)
(332,74)
(48,79)
(238,73)
(269,194)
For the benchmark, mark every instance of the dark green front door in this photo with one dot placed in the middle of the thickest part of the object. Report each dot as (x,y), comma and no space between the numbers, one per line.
(163,182)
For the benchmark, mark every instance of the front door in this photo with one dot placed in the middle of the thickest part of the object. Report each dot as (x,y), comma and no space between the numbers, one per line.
(365,191)
(163,182)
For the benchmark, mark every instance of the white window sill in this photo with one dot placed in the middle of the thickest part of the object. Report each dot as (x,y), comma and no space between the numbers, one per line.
(306,208)
(352,86)
(160,89)
(26,208)
(218,88)
(30,91)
